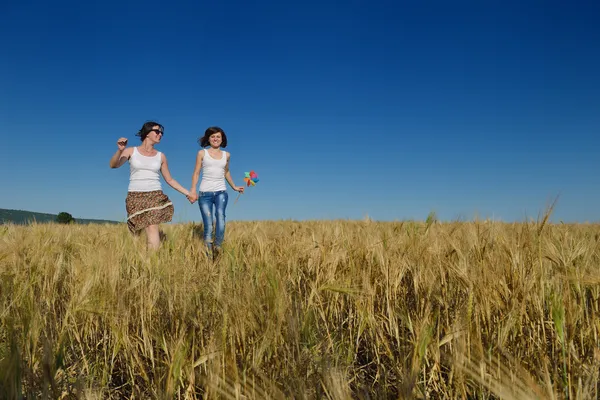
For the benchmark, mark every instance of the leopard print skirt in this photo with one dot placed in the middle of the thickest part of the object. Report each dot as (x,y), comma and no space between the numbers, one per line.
(147,208)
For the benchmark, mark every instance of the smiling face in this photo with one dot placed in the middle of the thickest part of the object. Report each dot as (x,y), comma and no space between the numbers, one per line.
(215,140)
(156,134)
(214,137)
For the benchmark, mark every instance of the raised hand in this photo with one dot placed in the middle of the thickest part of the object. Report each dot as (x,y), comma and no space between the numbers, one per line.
(122,143)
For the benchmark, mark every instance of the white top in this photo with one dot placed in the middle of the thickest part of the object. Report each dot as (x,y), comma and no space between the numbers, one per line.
(213,173)
(143,172)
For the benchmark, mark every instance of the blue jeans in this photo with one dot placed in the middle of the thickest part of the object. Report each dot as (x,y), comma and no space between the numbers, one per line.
(206,202)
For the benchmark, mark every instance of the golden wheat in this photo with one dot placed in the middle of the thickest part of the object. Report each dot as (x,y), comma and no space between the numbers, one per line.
(309,310)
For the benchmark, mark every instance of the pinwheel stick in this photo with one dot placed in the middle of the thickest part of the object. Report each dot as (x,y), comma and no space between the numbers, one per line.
(236,199)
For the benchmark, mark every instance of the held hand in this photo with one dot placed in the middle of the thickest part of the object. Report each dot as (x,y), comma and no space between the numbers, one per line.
(239,189)
(122,143)
(192,197)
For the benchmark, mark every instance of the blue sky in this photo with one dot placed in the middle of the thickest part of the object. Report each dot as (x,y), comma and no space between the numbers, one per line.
(344,109)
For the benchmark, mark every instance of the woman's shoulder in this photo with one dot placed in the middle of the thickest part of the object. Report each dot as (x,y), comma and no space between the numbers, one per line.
(127,152)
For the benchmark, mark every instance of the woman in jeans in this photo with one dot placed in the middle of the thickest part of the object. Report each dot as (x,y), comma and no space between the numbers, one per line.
(214,164)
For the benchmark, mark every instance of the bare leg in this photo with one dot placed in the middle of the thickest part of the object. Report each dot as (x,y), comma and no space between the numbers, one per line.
(153,236)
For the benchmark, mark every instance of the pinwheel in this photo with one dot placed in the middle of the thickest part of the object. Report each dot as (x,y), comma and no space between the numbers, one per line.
(251,178)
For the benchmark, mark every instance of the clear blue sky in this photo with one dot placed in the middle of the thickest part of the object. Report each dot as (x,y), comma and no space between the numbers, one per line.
(344,109)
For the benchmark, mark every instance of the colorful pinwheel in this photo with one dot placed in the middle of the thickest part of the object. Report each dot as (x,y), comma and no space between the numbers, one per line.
(251,178)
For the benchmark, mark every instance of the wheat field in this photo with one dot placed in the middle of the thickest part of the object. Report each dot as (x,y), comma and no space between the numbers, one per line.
(307,310)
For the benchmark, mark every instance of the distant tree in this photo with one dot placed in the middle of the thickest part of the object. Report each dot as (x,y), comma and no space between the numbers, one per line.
(64,218)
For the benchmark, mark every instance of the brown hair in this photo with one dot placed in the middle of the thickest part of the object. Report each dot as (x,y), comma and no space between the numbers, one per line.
(147,128)
(211,131)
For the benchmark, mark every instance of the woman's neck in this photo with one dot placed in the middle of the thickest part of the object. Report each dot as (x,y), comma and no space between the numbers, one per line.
(147,147)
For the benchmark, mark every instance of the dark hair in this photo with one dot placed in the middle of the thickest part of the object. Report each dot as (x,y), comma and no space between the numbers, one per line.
(147,128)
(211,131)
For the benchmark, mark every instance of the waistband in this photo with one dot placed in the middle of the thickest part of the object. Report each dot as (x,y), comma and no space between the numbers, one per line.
(215,193)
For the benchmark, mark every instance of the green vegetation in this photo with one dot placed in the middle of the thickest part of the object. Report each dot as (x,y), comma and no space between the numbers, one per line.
(65,218)
(21,217)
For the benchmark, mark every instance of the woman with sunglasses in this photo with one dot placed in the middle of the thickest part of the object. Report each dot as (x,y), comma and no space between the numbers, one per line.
(146,204)
(214,164)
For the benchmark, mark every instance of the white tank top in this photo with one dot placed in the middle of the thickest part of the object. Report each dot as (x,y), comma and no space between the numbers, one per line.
(213,173)
(143,172)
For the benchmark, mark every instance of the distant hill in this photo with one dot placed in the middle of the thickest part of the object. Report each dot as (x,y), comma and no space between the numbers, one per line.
(25,217)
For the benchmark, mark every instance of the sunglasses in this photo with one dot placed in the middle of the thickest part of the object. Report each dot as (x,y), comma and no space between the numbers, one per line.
(158,132)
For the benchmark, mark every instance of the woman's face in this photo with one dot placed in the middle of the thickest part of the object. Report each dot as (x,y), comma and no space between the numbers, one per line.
(215,139)
(156,133)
